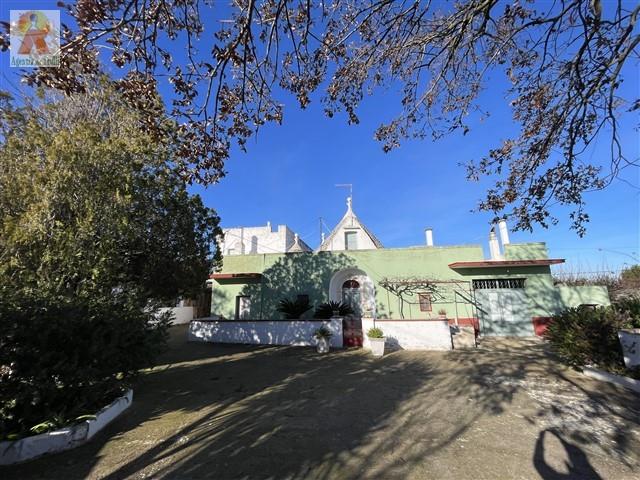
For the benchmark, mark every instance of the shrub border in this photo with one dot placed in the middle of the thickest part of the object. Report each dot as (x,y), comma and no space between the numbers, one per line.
(64,439)
(626,382)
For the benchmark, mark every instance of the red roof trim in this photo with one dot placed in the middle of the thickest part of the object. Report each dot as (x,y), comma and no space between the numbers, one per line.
(507,263)
(230,276)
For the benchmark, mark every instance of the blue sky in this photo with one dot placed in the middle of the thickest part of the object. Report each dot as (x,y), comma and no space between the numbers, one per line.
(289,172)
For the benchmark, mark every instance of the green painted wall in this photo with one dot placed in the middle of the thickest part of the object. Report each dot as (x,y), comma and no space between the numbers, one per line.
(526,251)
(573,296)
(288,275)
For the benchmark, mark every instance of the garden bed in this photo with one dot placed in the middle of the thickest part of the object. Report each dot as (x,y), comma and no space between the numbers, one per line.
(65,438)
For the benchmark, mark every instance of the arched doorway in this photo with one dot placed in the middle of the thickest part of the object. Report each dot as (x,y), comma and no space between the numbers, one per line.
(351,295)
(353,287)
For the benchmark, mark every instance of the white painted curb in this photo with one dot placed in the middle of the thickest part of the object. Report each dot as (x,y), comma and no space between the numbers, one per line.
(65,438)
(626,382)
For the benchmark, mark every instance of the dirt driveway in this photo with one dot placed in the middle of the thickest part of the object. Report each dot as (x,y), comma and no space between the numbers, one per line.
(504,411)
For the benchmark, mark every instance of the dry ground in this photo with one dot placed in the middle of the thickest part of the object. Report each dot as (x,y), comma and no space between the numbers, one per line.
(505,411)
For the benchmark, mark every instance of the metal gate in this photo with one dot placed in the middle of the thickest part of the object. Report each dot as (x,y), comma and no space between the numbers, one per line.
(503,307)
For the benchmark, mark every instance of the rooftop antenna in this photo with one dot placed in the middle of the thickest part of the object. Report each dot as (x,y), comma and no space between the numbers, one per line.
(350,187)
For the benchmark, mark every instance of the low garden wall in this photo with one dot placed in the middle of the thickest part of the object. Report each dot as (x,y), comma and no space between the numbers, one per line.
(411,334)
(264,332)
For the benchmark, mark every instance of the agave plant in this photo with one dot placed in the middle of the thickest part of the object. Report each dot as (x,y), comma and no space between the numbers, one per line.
(326,310)
(294,309)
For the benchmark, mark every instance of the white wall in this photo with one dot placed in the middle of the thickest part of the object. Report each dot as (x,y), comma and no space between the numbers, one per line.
(411,334)
(337,241)
(258,240)
(180,314)
(287,332)
(253,240)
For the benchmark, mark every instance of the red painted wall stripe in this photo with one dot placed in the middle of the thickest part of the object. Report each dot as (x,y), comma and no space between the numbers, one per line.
(540,325)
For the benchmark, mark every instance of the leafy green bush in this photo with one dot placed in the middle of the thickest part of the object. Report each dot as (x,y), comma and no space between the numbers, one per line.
(631,307)
(60,359)
(375,332)
(112,225)
(325,310)
(583,336)
(294,309)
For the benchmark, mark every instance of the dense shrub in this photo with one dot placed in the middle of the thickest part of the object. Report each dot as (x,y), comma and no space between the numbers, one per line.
(583,336)
(325,310)
(629,306)
(94,222)
(62,359)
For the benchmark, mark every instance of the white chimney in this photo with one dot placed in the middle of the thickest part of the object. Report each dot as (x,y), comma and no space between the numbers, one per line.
(428,232)
(494,247)
(504,232)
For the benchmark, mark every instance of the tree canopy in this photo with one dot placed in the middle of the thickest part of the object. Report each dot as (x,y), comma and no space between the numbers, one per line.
(564,62)
(91,204)
(97,230)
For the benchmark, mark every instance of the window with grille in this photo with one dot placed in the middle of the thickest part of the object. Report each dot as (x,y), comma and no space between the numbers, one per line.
(496,283)
(425,302)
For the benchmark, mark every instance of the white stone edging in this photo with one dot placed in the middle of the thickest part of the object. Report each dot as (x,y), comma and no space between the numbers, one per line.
(64,439)
(626,382)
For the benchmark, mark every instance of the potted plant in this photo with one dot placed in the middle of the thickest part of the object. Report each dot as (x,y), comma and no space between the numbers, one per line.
(443,313)
(377,340)
(323,335)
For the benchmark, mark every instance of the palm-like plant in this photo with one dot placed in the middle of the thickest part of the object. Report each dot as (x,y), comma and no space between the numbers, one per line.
(294,309)
(323,332)
(326,310)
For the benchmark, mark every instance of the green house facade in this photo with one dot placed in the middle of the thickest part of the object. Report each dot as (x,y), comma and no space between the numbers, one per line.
(510,294)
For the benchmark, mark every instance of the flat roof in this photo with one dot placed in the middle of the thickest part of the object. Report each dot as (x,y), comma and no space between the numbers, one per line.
(506,263)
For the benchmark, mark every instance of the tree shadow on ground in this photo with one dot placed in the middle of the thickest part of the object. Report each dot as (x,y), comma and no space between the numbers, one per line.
(233,412)
(212,411)
(582,414)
